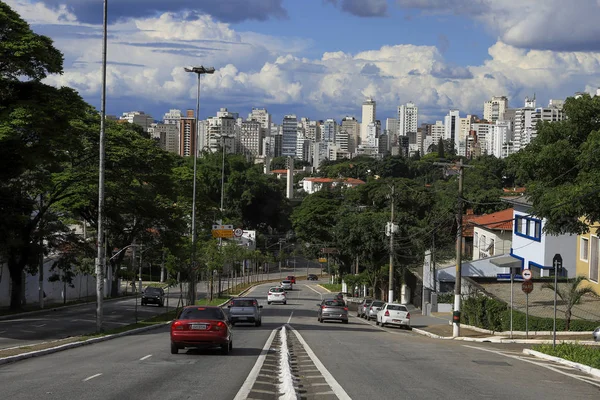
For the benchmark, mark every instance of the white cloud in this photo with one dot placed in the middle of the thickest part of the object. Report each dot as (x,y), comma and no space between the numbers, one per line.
(545,25)
(39,13)
(147,57)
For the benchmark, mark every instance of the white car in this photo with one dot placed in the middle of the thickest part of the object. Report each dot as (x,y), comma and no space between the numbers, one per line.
(393,314)
(276,295)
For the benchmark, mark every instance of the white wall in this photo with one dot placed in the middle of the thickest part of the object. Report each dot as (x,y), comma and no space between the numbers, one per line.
(85,285)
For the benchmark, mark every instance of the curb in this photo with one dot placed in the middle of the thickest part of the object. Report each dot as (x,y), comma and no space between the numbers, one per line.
(523,333)
(24,356)
(429,334)
(502,340)
(583,368)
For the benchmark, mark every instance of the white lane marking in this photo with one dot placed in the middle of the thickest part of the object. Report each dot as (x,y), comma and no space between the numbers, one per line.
(315,290)
(585,379)
(39,326)
(290,318)
(244,391)
(146,357)
(335,386)
(91,377)
(2,332)
(24,331)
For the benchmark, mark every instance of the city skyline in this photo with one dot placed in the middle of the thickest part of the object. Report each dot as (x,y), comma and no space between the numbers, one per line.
(281,55)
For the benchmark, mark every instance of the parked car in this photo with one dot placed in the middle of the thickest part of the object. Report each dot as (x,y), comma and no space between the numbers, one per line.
(312,277)
(362,307)
(201,327)
(287,285)
(596,334)
(371,310)
(339,296)
(292,278)
(153,295)
(332,309)
(245,309)
(393,314)
(276,295)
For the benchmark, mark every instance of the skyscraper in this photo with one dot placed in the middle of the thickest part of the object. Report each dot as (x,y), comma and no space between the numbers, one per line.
(290,135)
(408,116)
(493,110)
(368,117)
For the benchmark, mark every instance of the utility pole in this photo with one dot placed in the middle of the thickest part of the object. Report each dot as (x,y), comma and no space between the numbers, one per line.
(459,218)
(101,258)
(391,271)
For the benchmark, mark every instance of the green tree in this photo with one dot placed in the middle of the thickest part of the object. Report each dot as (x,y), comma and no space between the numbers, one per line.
(560,168)
(440,149)
(42,137)
(571,294)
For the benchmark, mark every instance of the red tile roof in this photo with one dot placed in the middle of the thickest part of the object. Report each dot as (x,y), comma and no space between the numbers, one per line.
(514,190)
(501,220)
(467,227)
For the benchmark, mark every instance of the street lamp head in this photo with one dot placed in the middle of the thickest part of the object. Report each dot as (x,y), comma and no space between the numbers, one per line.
(200,70)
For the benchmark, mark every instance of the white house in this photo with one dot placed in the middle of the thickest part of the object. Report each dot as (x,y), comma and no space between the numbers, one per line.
(314,184)
(532,248)
(492,234)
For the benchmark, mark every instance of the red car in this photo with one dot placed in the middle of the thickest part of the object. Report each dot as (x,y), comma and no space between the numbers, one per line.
(292,278)
(201,327)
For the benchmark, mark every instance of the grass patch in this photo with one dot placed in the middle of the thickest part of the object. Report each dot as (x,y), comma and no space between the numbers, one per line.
(333,287)
(214,302)
(587,355)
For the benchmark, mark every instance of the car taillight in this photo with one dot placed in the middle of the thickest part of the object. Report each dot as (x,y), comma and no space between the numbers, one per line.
(322,307)
(407,315)
(387,313)
(219,326)
(178,325)
(345,308)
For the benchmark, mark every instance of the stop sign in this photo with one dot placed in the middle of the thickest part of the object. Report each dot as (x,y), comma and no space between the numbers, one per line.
(527,287)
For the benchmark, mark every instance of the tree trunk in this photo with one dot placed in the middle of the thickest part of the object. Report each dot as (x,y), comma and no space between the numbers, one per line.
(16,279)
(114,290)
(568,319)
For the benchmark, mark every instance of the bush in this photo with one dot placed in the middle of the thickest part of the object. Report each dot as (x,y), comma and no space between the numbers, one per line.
(445,298)
(488,313)
(588,355)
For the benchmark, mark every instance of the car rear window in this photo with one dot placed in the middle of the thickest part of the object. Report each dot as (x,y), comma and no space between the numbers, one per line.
(377,303)
(334,303)
(202,313)
(368,301)
(276,290)
(243,303)
(394,307)
(287,281)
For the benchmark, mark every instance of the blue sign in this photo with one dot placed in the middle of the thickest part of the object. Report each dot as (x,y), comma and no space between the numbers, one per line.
(506,277)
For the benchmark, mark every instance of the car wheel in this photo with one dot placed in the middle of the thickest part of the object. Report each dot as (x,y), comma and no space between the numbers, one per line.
(161,304)
(268,302)
(376,322)
(345,321)
(382,324)
(257,323)
(225,348)
(230,345)
(174,349)
(232,323)
(285,302)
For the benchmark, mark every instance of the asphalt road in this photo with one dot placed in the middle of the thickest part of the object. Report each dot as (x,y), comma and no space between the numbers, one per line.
(368,362)
(59,323)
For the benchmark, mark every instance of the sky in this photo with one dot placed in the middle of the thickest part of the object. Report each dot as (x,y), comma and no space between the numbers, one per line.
(322,58)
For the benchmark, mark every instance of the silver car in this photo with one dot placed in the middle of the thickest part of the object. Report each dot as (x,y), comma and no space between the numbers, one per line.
(245,309)
(362,307)
(286,284)
(332,309)
(371,310)
(596,334)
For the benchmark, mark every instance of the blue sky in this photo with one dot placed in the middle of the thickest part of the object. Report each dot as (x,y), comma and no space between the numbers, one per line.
(321,58)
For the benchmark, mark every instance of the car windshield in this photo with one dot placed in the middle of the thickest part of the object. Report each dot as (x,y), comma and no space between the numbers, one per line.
(152,290)
(243,303)
(202,313)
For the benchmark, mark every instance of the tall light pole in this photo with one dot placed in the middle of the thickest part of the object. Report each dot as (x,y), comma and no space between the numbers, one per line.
(391,270)
(100,260)
(192,286)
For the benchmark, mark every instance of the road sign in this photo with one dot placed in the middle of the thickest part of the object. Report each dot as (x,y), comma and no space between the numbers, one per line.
(322,260)
(527,287)
(238,232)
(557,262)
(527,274)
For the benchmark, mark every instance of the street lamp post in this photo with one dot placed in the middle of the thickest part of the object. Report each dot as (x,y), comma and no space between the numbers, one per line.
(101,259)
(192,286)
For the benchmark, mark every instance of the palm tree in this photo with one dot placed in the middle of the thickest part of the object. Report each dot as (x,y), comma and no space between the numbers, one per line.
(571,294)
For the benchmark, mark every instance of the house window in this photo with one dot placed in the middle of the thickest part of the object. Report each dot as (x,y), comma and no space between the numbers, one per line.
(594,247)
(476,239)
(583,249)
(491,247)
(482,242)
(528,227)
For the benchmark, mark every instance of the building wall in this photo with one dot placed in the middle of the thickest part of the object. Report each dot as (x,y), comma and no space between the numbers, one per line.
(502,242)
(585,259)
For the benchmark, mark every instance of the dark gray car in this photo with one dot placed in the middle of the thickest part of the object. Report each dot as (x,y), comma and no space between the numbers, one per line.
(245,309)
(153,295)
(332,310)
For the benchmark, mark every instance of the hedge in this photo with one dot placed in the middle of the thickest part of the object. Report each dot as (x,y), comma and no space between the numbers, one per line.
(488,313)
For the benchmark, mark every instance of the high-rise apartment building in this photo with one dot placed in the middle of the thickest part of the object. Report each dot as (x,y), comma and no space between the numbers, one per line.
(167,136)
(438,131)
(139,118)
(351,126)
(261,115)
(369,111)
(493,110)
(452,127)
(289,135)
(173,117)
(251,138)
(222,131)
(312,130)
(329,130)
(187,134)
(408,116)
